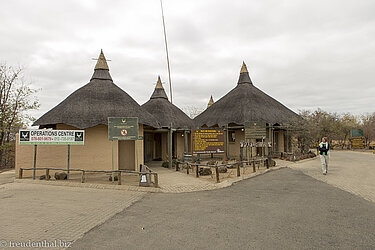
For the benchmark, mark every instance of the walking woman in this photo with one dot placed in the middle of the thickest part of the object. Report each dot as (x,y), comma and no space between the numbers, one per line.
(324,154)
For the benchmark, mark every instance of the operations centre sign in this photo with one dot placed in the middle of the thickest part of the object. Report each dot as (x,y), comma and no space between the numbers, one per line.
(122,128)
(51,137)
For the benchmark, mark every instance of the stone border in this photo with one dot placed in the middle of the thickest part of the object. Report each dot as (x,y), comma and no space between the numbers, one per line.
(180,189)
(90,185)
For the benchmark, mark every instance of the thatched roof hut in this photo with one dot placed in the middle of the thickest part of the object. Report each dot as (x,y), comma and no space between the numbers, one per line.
(245,103)
(93,103)
(164,111)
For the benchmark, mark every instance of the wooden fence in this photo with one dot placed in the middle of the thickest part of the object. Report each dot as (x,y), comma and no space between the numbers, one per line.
(238,164)
(148,172)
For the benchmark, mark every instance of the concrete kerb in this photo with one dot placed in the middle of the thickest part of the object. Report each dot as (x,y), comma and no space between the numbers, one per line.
(91,185)
(209,186)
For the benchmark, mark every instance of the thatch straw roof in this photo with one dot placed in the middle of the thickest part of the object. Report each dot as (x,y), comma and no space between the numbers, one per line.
(92,104)
(164,111)
(245,103)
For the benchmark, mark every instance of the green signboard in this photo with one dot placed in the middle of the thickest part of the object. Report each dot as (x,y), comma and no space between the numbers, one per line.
(51,137)
(356,133)
(122,128)
(255,130)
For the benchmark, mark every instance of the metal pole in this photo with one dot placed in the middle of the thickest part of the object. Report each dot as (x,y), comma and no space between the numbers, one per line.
(113,165)
(68,161)
(34,170)
(166,49)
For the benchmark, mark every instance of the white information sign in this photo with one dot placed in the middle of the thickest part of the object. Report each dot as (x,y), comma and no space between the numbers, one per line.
(51,137)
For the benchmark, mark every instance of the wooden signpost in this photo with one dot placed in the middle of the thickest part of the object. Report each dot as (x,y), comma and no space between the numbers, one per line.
(357,139)
(122,128)
(50,137)
(206,141)
(255,130)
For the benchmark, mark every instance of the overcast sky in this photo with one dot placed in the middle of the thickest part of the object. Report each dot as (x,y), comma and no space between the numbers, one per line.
(305,54)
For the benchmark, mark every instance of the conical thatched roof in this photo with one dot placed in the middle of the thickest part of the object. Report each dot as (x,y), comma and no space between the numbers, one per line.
(164,111)
(92,104)
(245,103)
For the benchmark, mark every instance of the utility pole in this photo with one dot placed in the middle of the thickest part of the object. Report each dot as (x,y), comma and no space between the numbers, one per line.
(166,49)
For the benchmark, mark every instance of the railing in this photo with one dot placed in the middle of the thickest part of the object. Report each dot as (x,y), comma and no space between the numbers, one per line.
(147,171)
(238,164)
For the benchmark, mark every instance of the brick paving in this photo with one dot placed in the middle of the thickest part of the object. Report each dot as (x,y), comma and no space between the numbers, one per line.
(34,212)
(348,170)
(60,210)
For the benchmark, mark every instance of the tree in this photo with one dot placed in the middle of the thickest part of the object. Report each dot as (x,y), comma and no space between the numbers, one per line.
(368,126)
(16,97)
(192,111)
(319,123)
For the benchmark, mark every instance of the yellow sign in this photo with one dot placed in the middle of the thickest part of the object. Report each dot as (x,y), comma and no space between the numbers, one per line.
(208,141)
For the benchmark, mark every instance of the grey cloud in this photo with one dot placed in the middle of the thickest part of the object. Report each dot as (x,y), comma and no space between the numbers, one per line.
(306,54)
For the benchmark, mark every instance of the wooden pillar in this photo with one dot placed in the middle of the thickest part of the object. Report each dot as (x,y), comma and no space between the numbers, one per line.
(34,170)
(217,174)
(186,142)
(47,174)
(156,180)
(83,179)
(170,140)
(20,173)
(226,142)
(119,178)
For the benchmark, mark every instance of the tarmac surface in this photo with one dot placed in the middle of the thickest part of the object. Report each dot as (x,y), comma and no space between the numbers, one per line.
(283,209)
(351,171)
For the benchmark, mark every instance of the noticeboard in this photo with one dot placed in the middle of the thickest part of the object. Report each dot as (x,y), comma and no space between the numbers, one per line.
(255,130)
(356,133)
(358,143)
(122,128)
(51,137)
(208,141)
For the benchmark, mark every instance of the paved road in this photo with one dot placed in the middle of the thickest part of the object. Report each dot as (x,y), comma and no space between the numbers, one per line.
(283,209)
(351,171)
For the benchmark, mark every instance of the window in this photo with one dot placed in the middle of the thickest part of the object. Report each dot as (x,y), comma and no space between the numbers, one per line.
(232,136)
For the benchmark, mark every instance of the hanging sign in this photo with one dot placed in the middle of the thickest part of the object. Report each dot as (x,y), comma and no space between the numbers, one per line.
(51,137)
(255,130)
(244,144)
(122,128)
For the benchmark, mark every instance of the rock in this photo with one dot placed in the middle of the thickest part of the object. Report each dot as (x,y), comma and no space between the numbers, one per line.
(213,162)
(43,177)
(223,169)
(205,171)
(61,176)
(115,178)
